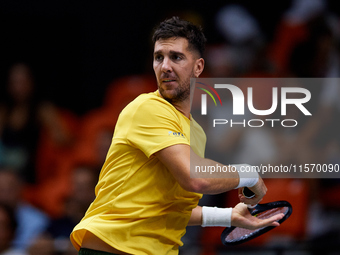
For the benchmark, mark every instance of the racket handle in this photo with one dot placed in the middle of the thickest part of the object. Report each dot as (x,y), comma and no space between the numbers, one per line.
(249,194)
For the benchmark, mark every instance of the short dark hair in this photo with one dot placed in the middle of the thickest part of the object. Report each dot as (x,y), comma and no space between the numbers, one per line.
(176,27)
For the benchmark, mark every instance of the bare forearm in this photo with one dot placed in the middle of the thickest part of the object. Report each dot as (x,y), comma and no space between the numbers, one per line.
(215,182)
(196,217)
(182,162)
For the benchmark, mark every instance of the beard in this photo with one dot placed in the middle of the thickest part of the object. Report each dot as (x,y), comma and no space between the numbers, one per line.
(179,94)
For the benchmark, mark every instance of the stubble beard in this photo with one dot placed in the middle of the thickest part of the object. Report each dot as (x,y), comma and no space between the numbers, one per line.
(181,93)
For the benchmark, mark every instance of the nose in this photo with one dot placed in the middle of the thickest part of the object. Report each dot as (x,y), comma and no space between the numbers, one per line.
(166,65)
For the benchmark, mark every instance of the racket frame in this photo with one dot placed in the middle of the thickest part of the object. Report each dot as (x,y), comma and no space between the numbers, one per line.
(258,209)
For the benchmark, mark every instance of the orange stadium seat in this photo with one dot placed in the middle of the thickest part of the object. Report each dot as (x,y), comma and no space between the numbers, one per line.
(51,180)
(123,90)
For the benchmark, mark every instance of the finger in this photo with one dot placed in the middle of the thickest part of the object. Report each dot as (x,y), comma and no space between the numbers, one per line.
(272,221)
(274,224)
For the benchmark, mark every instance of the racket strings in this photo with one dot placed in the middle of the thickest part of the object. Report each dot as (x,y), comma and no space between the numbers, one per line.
(272,212)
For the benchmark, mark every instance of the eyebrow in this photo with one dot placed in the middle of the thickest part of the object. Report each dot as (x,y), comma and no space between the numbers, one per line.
(172,52)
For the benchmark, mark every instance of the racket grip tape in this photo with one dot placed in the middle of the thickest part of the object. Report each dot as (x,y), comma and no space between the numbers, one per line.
(248,193)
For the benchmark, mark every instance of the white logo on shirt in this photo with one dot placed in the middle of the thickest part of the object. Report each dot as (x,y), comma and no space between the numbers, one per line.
(176,134)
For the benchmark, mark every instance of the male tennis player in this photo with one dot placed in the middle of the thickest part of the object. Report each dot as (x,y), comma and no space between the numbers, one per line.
(145,197)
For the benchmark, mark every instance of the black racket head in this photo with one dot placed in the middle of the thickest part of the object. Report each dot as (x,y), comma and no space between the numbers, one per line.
(236,235)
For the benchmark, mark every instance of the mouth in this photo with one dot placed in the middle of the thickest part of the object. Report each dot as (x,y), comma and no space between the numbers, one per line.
(168,80)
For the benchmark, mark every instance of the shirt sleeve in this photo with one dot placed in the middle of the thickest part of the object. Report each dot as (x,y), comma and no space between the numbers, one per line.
(155,125)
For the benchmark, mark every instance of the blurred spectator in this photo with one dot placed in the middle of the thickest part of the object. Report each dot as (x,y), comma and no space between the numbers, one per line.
(31,221)
(84,179)
(8,226)
(307,45)
(54,165)
(22,115)
(93,134)
(317,56)
(243,39)
(292,30)
(35,137)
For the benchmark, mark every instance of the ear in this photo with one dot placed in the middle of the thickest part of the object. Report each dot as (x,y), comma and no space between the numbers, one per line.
(199,66)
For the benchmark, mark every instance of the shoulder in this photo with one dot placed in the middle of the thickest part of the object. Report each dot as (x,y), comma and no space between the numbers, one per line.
(149,104)
(150,98)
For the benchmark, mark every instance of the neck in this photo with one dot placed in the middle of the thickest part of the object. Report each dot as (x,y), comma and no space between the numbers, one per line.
(183,107)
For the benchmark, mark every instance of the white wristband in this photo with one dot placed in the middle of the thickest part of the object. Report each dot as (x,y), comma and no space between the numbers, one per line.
(247,174)
(216,217)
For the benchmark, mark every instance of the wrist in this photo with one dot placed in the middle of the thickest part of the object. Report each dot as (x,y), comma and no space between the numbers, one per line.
(216,217)
(248,177)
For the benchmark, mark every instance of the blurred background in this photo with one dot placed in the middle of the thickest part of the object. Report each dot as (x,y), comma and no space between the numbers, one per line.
(68,68)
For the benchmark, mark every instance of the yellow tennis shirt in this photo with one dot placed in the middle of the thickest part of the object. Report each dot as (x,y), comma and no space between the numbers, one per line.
(140,208)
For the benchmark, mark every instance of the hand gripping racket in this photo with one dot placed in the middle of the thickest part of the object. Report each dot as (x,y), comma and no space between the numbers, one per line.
(237,235)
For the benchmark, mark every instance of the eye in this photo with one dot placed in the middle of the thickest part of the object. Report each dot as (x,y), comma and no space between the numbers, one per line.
(158,58)
(176,57)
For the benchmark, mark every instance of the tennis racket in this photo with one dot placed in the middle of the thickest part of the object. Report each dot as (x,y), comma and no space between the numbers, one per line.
(237,235)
